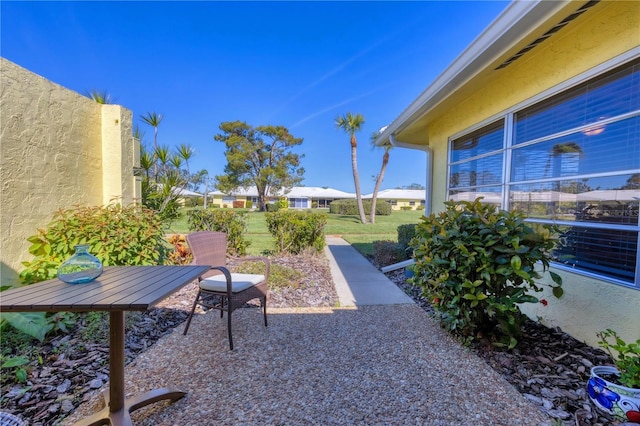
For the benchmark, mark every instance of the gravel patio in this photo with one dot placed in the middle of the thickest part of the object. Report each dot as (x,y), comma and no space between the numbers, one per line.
(384,364)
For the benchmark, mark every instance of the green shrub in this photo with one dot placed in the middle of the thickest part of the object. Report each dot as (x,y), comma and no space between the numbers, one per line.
(230,222)
(115,234)
(294,231)
(406,208)
(386,252)
(405,234)
(350,207)
(626,357)
(283,203)
(271,207)
(477,265)
(249,204)
(194,202)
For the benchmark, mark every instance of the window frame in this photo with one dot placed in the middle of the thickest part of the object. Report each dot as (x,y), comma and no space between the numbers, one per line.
(508,147)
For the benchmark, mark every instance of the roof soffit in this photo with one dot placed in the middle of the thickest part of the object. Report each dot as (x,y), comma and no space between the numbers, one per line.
(518,25)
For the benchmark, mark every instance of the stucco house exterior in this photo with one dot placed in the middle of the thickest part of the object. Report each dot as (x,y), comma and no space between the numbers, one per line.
(57,149)
(541,113)
(401,199)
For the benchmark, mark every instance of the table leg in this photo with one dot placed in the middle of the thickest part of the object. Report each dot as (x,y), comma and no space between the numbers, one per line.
(117,410)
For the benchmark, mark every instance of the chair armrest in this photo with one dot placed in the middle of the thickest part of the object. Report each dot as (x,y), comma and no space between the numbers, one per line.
(227,275)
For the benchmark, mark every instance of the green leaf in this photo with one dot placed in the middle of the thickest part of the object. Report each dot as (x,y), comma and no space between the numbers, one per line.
(516,262)
(15,361)
(33,324)
(556,278)
(557,292)
(21,375)
(527,298)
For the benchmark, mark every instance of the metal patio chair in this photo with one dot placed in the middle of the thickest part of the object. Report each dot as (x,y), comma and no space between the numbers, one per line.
(219,288)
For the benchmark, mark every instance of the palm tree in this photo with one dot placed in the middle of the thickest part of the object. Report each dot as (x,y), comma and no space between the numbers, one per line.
(351,124)
(385,160)
(153,119)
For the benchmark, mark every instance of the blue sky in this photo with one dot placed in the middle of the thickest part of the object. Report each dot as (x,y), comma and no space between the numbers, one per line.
(296,64)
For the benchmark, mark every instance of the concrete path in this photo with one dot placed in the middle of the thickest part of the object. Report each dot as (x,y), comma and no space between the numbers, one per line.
(357,281)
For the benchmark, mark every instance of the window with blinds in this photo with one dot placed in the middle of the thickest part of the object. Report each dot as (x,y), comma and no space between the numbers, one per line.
(573,160)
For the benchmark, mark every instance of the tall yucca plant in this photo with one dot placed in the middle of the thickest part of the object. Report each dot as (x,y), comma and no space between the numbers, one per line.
(100,96)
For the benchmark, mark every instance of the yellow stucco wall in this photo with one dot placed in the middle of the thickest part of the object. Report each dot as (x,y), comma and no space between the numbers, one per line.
(57,149)
(608,30)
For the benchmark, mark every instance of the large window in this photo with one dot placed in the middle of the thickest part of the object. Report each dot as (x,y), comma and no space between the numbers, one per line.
(572,159)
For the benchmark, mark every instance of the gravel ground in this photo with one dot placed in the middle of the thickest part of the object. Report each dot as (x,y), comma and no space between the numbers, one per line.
(386,364)
(371,365)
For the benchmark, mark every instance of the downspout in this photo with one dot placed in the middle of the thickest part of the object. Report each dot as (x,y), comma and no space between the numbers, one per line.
(428,180)
(428,185)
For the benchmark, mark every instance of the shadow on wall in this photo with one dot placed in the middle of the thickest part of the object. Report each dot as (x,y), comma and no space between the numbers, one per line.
(8,277)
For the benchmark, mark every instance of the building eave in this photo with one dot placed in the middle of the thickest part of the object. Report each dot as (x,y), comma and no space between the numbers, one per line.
(502,38)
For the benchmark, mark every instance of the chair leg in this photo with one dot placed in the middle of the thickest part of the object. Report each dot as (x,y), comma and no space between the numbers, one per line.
(193,309)
(264,309)
(229,329)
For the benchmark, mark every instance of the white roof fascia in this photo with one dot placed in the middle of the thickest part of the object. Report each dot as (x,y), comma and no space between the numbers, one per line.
(515,22)
(400,194)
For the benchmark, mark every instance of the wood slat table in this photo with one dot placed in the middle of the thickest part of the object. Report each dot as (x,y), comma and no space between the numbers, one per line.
(117,290)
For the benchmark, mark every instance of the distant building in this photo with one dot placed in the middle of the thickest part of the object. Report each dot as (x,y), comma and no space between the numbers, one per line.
(401,199)
(299,197)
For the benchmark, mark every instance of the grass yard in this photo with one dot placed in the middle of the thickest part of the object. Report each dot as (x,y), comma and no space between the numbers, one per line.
(348,227)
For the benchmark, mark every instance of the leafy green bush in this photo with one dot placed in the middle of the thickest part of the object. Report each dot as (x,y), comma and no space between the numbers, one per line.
(405,234)
(294,231)
(477,265)
(350,207)
(271,207)
(115,234)
(283,203)
(386,252)
(230,222)
(627,357)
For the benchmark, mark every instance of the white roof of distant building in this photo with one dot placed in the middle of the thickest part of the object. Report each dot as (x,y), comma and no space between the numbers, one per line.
(399,194)
(295,192)
(187,193)
(317,192)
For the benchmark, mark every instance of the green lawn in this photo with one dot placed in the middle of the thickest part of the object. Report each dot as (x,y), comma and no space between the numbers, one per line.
(348,227)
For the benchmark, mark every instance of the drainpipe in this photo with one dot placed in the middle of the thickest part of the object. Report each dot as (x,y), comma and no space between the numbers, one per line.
(427,200)
(428,182)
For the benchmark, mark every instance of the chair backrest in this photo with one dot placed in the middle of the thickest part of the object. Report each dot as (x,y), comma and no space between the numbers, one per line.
(208,248)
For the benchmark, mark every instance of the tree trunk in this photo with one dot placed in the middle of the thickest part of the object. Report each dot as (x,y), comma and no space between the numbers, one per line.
(374,199)
(261,201)
(356,179)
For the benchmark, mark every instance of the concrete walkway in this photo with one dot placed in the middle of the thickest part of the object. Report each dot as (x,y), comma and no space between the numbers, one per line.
(357,281)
